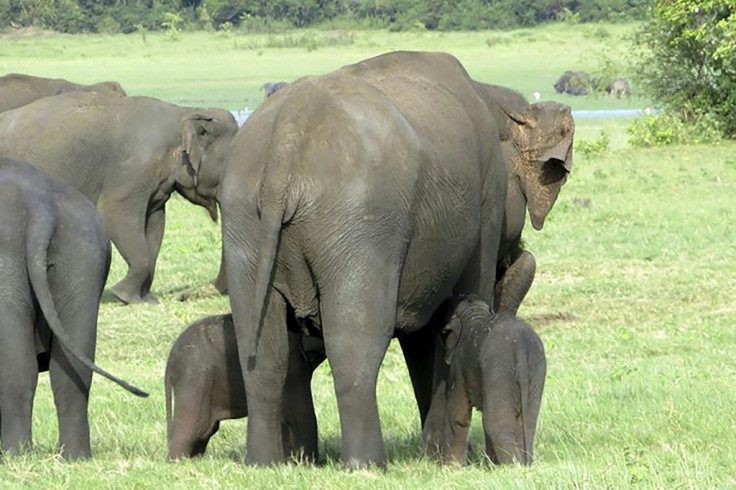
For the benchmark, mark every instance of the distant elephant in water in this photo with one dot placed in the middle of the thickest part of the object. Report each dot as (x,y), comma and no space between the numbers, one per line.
(54,260)
(18,90)
(127,155)
(619,87)
(497,365)
(270,88)
(205,379)
(573,83)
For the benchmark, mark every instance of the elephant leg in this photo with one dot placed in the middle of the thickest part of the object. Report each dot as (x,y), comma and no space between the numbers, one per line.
(155,223)
(299,428)
(127,230)
(71,381)
(192,424)
(418,349)
(358,322)
(514,285)
(264,386)
(220,281)
(18,378)
(458,417)
(500,423)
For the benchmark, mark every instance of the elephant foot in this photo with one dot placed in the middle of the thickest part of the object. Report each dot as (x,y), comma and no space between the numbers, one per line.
(121,292)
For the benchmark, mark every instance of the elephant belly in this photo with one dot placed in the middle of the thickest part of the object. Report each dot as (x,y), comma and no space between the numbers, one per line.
(436,259)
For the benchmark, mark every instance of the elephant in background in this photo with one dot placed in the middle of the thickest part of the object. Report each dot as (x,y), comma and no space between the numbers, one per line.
(54,260)
(390,172)
(497,365)
(573,83)
(18,90)
(619,87)
(204,375)
(127,155)
(270,88)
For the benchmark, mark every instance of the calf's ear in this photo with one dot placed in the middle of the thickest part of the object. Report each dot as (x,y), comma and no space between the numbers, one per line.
(451,334)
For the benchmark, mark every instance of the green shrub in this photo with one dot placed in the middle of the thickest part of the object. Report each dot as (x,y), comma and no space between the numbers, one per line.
(593,147)
(687,63)
(669,128)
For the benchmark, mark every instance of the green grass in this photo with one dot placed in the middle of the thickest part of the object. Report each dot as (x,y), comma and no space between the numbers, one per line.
(227,69)
(635,295)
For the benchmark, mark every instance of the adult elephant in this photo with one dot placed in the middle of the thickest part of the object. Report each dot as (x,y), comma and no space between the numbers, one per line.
(531,134)
(17,89)
(127,155)
(54,260)
(366,197)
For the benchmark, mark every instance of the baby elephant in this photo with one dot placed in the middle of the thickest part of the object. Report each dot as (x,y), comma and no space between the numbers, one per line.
(204,373)
(497,365)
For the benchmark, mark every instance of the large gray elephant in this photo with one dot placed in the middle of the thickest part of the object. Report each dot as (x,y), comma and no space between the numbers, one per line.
(54,259)
(204,380)
(127,155)
(497,365)
(526,132)
(17,89)
(357,203)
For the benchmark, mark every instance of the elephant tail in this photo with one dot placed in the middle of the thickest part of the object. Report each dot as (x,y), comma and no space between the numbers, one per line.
(273,211)
(40,232)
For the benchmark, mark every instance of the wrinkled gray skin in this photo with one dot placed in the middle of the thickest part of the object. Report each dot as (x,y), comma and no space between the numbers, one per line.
(18,90)
(497,365)
(386,172)
(127,155)
(573,83)
(204,376)
(553,129)
(54,259)
(270,88)
(619,87)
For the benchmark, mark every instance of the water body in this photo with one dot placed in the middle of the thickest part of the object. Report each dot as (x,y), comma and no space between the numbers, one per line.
(242,115)
(615,113)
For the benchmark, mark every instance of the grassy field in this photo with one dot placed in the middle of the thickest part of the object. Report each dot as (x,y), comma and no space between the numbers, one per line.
(635,295)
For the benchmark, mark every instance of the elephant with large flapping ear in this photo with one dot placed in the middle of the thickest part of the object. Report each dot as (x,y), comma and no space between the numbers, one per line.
(537,141)
(17,89)
(127,155)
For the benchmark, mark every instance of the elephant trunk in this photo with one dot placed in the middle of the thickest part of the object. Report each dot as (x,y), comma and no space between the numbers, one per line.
(515,283)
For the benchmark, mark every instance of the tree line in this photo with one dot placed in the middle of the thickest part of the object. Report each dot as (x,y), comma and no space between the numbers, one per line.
(112,16)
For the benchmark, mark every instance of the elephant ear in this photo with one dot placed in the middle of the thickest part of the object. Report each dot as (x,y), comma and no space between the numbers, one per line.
(544,141)
(451,334)
(195,128)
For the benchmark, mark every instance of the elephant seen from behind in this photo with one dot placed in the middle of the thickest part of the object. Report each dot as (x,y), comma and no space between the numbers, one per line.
(388,172)
(54,260)
(127,155)
(497,365)
(17,89)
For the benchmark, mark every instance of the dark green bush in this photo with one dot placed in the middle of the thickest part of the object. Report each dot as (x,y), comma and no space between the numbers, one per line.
(687,65)
(124,15)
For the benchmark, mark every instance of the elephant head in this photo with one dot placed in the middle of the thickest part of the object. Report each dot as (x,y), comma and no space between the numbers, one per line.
(542,136)
(205,139)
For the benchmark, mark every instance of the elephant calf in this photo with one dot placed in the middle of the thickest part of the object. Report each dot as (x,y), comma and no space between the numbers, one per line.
(497,365)
(204,374)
